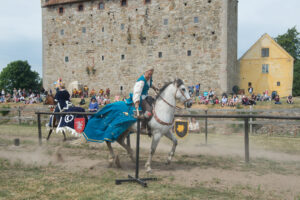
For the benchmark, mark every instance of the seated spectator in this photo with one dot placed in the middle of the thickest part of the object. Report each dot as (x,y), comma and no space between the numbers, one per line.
(277,99)
(117,98)
(93,107)
(107,92)
(82,101)
(214,100)
(101,92)
(74,93)
(93,93)
(194,125)
(235,99)
(266,97)
(245,101)
(289,99)
(211,94)
(106,100)
(224,101)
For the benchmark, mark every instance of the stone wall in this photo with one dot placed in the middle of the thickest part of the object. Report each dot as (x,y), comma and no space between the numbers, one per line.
(112,47)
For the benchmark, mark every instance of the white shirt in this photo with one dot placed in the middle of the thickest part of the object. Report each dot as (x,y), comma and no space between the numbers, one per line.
(194,126)
(137,91)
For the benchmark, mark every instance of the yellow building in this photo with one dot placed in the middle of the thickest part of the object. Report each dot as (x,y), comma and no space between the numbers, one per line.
(267,66)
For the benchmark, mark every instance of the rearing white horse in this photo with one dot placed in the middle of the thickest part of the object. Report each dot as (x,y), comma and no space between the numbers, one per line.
(162,120)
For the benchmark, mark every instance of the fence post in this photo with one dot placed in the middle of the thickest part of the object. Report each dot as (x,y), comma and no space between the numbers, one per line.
(19,115)
(205,127)
(251,120)
(247,140)
(39,128)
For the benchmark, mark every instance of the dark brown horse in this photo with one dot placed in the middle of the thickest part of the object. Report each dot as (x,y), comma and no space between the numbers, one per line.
(53,124)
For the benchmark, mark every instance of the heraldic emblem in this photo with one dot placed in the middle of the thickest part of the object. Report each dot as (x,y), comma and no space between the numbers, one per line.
(79,124)
(181,128)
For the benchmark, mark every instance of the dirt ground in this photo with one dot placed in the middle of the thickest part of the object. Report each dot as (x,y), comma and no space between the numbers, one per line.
(219,165)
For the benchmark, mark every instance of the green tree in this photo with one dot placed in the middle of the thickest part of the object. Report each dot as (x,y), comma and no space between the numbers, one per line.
(290,41)
(18,74)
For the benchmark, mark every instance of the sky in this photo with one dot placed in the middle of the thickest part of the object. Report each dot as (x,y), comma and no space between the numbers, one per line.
(21,27)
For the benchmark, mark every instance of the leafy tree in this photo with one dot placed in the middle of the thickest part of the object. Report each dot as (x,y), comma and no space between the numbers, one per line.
(290,41)
(18,74)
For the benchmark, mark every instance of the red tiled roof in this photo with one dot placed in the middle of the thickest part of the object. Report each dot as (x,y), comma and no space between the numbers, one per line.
(58,2)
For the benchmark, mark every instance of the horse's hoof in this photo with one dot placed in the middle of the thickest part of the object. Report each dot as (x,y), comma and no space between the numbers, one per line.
(148,170)
(117,162)
(168,162)
(110,162)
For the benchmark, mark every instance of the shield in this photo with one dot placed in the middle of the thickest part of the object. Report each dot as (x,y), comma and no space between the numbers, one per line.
(79,124)
(181,128)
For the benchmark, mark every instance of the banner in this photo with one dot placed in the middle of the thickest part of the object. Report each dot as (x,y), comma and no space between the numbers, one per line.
(181,128)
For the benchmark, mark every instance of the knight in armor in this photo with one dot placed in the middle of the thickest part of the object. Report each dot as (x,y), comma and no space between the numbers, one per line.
(142,102)
(62,97)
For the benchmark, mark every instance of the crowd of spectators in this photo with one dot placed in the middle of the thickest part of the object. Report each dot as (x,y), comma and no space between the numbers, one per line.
(232,100)
(21,96)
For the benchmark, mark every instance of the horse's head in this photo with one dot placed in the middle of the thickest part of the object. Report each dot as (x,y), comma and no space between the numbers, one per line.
(49,100)
(182,93)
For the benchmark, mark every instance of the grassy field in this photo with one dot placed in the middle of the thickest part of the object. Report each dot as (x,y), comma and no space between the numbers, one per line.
(213,171)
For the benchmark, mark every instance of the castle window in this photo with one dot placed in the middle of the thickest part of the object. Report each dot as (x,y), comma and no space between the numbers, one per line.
(196,19)
(102,57)
(166,21)
(189,53)
(147,1)
(61,10)
(265,68)
(265,52)
(66,59)
(102,29)
(123,2)
(122,56)
(278,83)
(62,32)
(101,5)
(122,26)
(209,1)
(83,30)
(80,7)
(160,54)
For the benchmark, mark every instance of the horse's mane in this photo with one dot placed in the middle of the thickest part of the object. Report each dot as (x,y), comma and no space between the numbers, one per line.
(178,82)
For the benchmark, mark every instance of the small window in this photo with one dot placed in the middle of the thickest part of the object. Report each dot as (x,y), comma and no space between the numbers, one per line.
(66,59)
(209,1)
(122,26)
(166,21)
(101,5)
(249,84)
(60,10)
(196,19)
(123,2)
(80,7)
(147,1)
(102,29)
(278,83)
(189,53)
(83,30)
(160,54)
(265,68)
(62,32)
(122,56)
(102,57)
(265,52)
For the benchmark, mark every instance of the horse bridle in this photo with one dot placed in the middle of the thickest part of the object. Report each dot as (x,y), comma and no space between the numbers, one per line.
(155,115)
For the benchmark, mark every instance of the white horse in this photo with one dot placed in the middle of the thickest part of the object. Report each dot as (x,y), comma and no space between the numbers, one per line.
(161,122)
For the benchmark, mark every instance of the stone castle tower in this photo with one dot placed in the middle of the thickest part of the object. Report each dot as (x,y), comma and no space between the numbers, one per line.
(110,43)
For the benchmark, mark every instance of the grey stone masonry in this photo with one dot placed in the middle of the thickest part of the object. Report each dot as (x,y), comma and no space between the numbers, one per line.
(110,43)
